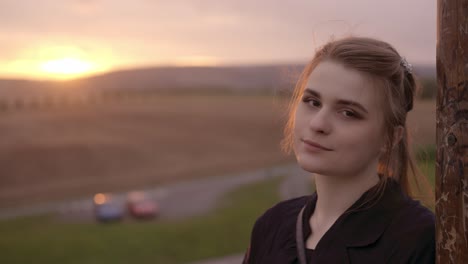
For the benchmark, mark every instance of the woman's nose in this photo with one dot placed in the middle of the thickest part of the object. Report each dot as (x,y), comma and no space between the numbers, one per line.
(320,122)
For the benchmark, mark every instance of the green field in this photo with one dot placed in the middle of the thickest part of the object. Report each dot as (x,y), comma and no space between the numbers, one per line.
(225,231)
(45,239)
(426,157)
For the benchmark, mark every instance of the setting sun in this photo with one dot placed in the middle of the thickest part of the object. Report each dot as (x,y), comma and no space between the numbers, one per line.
(58,62)
(67,62)
(67,67)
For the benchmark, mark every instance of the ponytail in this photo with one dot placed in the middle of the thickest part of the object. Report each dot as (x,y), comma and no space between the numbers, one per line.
(399,163)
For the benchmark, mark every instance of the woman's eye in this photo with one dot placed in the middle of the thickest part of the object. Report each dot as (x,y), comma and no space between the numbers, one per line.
(348,113)
(314,102)
(311,101)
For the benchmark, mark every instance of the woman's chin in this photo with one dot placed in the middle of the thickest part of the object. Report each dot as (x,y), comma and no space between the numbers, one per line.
(311,167)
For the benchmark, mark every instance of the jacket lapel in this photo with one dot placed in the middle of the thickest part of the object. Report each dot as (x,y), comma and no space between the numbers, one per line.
(361,226)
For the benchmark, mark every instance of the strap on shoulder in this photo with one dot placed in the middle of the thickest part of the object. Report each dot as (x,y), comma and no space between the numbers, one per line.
(300,238)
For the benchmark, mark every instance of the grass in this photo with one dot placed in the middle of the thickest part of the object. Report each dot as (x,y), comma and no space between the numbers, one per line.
(426,158)
(226,231)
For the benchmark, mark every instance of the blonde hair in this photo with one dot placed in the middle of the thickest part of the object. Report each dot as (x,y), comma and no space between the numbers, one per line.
(397,85)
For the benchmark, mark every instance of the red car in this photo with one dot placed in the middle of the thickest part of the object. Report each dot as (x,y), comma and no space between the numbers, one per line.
(141,206)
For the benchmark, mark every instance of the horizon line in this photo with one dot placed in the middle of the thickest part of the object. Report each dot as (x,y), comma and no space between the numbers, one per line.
(175,66)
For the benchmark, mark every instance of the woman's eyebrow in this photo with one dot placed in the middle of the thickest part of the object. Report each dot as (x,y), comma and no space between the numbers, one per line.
(312,92)
(339,101)
(352,103)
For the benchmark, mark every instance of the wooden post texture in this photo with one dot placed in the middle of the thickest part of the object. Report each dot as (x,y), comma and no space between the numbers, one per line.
(452,132)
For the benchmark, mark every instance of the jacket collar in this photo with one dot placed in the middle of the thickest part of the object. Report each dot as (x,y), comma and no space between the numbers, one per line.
(363,225)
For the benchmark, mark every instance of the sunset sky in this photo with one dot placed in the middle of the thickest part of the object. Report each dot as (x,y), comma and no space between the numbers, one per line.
(58,39)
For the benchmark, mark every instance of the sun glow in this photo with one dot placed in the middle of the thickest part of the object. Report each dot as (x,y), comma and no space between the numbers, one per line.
(68,62)
(57,62)
(67,66)
(196,61)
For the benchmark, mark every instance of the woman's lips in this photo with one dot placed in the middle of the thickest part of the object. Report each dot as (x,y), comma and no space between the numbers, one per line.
(314,146)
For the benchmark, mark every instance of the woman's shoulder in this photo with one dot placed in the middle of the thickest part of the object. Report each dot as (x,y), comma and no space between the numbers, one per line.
(414,218)
(413,230)
(274,229)
(407,214)
(282,214)
(285,209)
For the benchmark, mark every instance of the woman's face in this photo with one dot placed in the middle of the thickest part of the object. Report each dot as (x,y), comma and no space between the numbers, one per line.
(340,111)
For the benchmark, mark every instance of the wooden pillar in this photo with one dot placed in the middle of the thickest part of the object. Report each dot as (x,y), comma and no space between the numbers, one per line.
(452,132)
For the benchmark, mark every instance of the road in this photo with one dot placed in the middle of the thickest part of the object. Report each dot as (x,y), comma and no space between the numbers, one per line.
(173,199)
(183,199)
(297,183)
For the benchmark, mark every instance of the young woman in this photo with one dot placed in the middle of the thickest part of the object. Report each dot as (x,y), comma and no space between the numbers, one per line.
(347,126)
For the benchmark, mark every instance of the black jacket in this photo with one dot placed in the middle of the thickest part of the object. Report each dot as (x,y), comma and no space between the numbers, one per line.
(396,229)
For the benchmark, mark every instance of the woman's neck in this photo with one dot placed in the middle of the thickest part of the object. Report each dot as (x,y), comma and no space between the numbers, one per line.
(337,194)
(334,196)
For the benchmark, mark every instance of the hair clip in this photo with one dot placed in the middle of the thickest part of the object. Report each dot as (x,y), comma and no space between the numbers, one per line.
(408,67)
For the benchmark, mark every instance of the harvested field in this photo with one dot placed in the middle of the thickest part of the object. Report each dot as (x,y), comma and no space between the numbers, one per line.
(138,143)
(78,150)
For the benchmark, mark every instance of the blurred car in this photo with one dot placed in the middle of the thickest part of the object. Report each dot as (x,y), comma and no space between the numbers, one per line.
(139,205)
(106,209)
